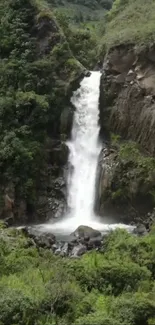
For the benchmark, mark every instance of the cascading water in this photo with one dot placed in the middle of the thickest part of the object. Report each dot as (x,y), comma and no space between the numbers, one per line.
(84,151)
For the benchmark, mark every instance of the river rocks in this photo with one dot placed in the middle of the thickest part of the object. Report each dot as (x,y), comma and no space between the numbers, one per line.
(140,230)
(72,246)
(94,242)
(64,250)
(40,238)
(78,250)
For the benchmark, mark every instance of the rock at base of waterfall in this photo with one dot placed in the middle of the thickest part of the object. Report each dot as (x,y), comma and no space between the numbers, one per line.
(140,230)
(78,250)
(44,240)
(94,242)
(64,250)
(82,240)
(86,233)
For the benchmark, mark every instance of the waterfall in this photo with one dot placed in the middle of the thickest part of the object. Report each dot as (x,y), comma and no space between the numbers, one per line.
(84,150)
(83,159)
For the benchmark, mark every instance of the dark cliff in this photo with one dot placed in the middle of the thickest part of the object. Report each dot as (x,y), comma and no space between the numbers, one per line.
(127,109)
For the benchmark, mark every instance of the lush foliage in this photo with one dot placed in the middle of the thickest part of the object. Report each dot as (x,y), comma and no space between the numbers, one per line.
(83,42)
(130,21)
(83,23)
(133,175)
(115,286)
(79,11)
(35,79)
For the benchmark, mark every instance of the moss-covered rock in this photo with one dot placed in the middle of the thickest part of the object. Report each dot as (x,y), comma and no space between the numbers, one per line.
(126,183)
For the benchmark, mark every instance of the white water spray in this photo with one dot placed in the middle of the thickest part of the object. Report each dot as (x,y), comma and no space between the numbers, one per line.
(84,151)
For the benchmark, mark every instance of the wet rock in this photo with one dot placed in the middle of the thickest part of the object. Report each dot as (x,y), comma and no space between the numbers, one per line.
(64,250)
(58,251)
(86,232)
(41,239)
(54,247)
(94,242)
(66,121)
(87,73)
(72,239)
(59,154)
(56,208)
(9,221)
(78,250)
(140,230)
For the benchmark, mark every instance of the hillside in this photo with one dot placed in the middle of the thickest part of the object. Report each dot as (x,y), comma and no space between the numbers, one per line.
(130,21)
(38,72)
(80,11)
(83,25)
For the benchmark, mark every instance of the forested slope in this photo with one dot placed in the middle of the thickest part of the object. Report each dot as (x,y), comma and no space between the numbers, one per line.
(37,72)
(130,21)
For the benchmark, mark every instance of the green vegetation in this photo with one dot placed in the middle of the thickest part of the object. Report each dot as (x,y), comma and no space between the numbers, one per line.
(83,42)
(114,287)
(36,76)
(40,60)
(133,174)
(130,21)
(83,23)
(80,11)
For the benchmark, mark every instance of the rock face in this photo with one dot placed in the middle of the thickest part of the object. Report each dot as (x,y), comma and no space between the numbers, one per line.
(127,100)
(52,200)
(127,108)
(125,187)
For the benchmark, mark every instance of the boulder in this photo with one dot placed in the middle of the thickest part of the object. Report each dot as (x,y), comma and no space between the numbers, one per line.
(58,251)
(140,230)
(41,239)
(64,250)
(78,250)
(86,232)
(94,242)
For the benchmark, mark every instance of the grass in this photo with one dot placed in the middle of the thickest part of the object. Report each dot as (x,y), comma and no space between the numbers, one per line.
(133,22)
